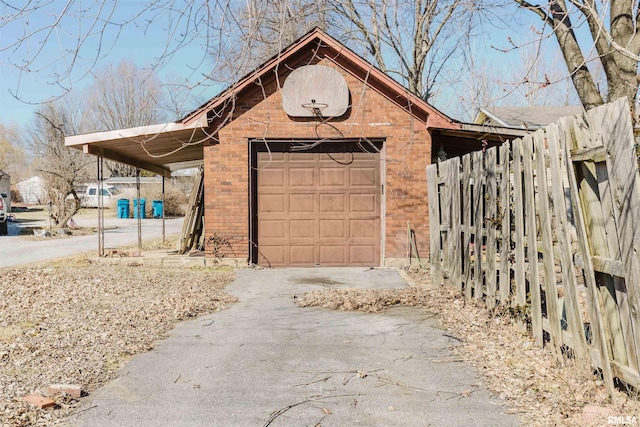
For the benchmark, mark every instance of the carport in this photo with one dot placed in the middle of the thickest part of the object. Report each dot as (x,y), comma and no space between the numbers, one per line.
(162,149)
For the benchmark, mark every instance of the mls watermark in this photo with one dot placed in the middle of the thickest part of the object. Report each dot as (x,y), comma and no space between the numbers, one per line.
(622,420)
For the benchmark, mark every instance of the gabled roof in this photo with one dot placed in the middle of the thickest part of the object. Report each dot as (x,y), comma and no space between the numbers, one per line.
(525,117)
(314,41)
(167,147)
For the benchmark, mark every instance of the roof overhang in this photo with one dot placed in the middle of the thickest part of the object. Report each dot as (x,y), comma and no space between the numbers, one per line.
(481,132)
(161,148)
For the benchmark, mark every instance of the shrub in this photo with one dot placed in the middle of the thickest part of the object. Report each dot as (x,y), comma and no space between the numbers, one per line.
(174,199)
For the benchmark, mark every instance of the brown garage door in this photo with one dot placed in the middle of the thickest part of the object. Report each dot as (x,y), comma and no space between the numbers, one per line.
(319,208)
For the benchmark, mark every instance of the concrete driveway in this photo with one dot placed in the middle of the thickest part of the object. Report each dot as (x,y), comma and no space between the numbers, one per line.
(267,362)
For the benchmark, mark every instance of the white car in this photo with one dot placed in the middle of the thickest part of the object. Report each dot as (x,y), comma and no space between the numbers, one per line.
(90,199)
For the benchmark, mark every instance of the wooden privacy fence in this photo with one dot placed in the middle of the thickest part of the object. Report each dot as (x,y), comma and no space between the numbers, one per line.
(550,225)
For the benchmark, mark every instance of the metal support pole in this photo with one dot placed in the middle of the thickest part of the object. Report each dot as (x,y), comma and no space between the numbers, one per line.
(139,209)
(100,207)
(163,229)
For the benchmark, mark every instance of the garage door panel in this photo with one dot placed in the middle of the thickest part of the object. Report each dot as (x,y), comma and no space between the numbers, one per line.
(362,177)
(302,202)
(333,229)
(271,178)
(271,203)
(302,157)
(301,177)
(272,157)
(333,202)
(272,228)
(366,203)
(343,158)
(302,255)
(333,177)
(363,228)
(363,255)
(333,255)
(272,255)
(301,229)
(362,156)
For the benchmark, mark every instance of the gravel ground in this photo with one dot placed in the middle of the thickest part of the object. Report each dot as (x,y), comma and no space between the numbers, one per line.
(76,322)
(540,390)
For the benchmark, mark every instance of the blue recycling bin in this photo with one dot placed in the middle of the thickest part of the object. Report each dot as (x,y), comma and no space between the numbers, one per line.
(157,208)
(123,208)
(142,203)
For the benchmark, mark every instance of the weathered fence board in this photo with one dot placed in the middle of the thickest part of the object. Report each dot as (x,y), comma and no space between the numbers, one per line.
(505,228)
(453,180)
(478,222)
(490,218)
(532,239)
(434,223)
(466,230)
(520,299)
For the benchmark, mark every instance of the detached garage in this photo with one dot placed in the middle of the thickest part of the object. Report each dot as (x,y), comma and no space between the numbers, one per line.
(315,159)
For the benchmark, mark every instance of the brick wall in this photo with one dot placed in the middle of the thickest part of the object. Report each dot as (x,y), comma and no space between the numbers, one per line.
(407,151)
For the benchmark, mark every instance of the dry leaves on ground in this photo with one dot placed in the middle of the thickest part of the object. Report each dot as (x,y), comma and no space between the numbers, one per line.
(79,322)
(537,388)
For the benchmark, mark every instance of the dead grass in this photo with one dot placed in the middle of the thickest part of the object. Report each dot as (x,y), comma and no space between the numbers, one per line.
(540,390)
(77,322)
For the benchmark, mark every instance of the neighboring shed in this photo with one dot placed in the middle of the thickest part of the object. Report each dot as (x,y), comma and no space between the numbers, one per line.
(528,118)
(316,158)
(5,189)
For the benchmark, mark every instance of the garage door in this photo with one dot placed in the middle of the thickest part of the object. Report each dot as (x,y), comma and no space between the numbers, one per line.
(319,208)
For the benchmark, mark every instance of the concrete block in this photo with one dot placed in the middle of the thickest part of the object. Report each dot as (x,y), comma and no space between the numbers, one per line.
(39,401)
(72,390)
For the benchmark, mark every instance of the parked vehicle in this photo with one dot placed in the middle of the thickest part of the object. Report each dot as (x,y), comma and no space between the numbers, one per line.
(90,196)
(3,217)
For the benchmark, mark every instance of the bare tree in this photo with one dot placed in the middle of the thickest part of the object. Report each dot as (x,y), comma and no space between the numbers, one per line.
(536,81)
(411,40)
(477,88)
(60,168)
(12,155)
(615,45)
(124,96)
(268,27)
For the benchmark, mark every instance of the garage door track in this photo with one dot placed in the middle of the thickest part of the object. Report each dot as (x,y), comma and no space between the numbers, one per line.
(267,362)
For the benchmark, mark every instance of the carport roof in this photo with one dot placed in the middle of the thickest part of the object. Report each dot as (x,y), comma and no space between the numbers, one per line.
(161,148)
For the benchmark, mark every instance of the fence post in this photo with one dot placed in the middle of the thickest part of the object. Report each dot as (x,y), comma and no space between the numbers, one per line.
(453,180)
(518,235)
(466,220)
(532,239)
(434,223)
(505,228)
(478,238)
